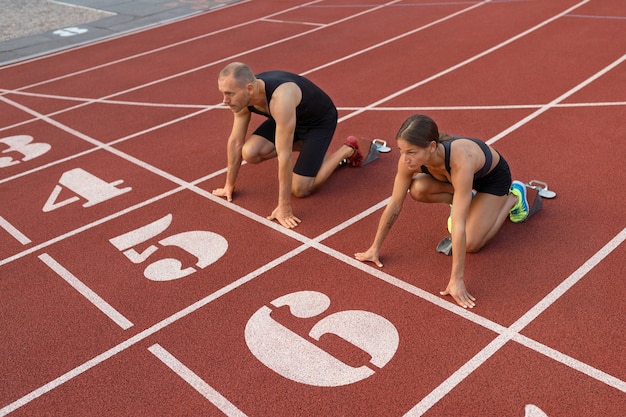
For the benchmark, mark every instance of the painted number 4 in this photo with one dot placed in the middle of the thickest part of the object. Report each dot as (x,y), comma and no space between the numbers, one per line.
(85,185)
(206,247)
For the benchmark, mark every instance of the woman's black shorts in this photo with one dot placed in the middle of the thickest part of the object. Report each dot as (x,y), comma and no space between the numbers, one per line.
(497,182)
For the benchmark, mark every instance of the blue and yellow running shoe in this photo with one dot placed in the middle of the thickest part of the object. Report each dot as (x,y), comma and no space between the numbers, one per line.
(520,210)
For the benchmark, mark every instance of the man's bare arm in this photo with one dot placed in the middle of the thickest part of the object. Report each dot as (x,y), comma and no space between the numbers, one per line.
(233,151)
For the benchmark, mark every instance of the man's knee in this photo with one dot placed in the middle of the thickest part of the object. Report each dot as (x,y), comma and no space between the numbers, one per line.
(250,156)
(257,149)
(301,191)
(302,186)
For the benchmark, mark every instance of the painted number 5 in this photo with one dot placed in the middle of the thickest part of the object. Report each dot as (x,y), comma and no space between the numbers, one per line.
(207,247)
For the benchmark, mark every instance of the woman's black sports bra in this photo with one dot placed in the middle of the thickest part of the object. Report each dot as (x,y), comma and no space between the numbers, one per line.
(483,146)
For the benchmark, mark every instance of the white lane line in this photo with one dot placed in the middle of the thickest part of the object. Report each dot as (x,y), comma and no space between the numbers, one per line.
(568,283)
(222,60)
(221,106)
(101,146)
(457,377)
(562,97)
(196,382)
(110,353)
(588,16)
(86,292)
(13,231)
(148,332)
(398,37)
(482,107)
(573,363)
(103,101)
(464,63)
(512,334)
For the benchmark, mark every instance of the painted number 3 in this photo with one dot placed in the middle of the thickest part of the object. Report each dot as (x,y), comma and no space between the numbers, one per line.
(24,146)
(207,247)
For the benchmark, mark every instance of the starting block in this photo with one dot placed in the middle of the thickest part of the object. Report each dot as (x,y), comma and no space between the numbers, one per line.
(372,153)
(445,246)
(381,145)
(542,188)
(374,148)
(534,200)
(535,191)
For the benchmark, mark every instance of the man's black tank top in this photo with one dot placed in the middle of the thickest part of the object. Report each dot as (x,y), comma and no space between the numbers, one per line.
(314,105)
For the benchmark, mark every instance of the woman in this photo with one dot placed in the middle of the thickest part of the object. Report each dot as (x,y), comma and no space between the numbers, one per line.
(463,172)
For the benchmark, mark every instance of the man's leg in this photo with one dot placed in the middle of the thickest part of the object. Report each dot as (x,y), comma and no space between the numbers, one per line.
(258,149)
(304,186)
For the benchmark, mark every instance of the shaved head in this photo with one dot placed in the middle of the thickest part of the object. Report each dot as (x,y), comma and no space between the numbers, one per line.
(240,72)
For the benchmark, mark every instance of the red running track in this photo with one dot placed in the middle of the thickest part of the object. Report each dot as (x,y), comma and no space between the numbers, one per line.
(128,289)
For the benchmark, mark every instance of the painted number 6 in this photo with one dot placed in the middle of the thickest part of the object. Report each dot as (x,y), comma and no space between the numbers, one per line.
(298,359)
(207,247)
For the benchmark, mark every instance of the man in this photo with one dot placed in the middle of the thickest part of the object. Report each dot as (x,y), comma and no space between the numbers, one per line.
(300,117)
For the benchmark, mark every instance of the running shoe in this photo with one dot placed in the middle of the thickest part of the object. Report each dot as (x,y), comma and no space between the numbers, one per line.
(520,210)
(357,157)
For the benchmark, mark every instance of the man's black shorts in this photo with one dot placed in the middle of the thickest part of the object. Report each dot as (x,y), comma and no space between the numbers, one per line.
(315,141)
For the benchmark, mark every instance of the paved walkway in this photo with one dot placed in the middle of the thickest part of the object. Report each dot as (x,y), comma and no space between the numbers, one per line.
(30,28)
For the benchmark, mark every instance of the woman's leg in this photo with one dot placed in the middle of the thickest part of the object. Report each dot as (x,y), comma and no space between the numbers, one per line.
(426,189)
(486,215)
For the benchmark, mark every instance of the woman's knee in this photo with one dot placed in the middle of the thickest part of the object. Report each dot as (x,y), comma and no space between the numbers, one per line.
(419,190)
(474,243)
(473,246)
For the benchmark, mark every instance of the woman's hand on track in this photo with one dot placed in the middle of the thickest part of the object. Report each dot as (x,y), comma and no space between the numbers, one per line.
(369,256)
(224,192)
(458,291)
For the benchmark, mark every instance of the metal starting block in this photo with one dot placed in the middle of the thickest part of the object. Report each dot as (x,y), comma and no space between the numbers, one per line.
(534,200)
(445,246)
(372,153)
(381,145)
(542,188)
(535,191)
